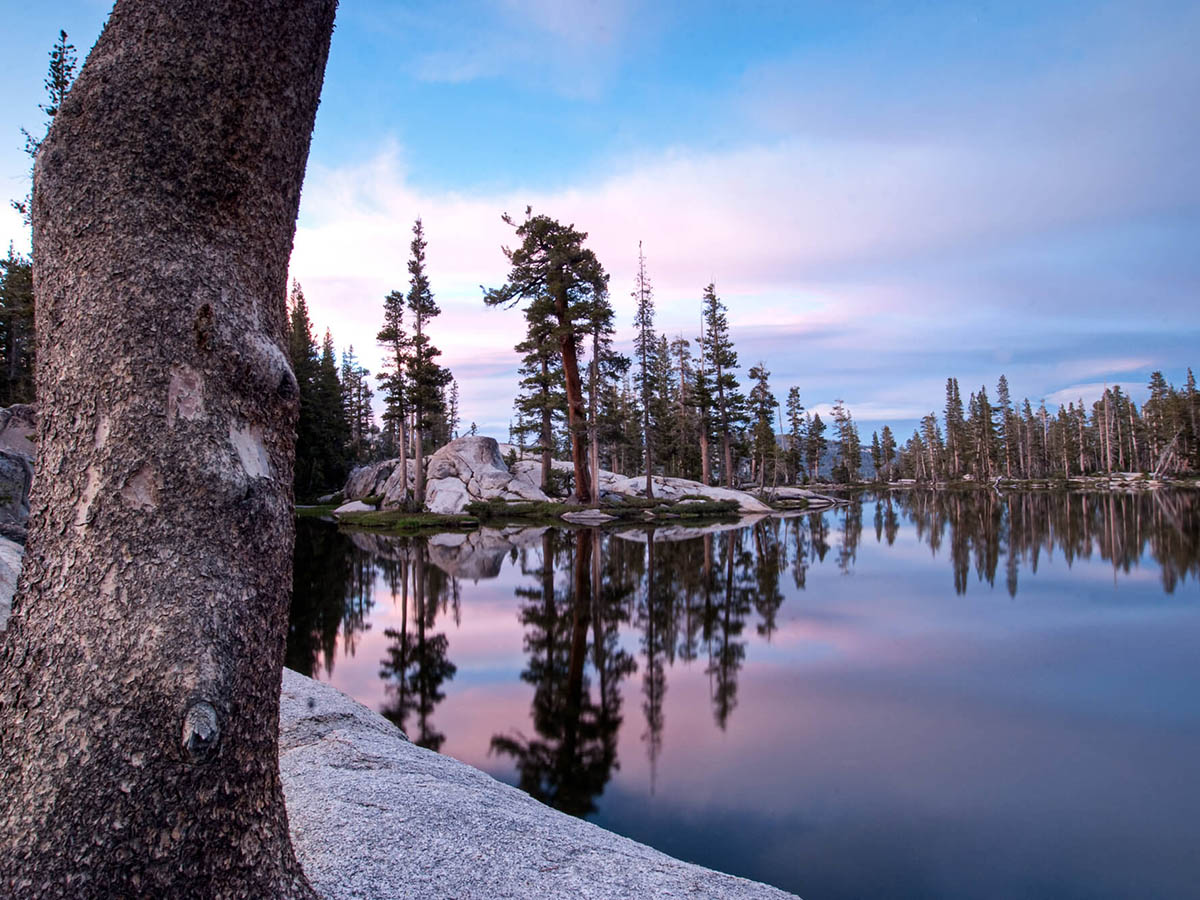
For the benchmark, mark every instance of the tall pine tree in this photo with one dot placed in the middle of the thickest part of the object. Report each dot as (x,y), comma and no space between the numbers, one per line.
(551,263)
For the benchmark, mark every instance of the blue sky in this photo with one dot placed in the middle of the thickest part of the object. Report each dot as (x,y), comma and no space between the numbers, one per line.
(885,194)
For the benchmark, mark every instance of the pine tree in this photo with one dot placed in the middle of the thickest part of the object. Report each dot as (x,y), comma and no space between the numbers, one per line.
(663,399)
(981,431)
(1007,426)
(684,436)
(16,329)
(887,451)
(553,264)
(605,368)
(332,428)
(541,399)
(816,446)
(426,378)
(849,448)
(1192,397)
(796,431)
(356,401)
(704,402)
(645,347)
(762,410)
(59,76)
(397,347)
(452,409)
(722,358)
(935,451)
(956,438)
(142,760)
(302,350)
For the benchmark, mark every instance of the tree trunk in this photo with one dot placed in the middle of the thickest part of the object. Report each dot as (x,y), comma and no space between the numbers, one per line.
(418,465)
(576,421)
(705,462)
(547,429)
(593,442)
(139,678)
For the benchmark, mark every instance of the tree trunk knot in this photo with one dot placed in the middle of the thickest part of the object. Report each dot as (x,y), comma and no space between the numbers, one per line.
(201,733)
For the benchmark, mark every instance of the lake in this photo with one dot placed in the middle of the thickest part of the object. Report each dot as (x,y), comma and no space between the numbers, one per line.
(954,694)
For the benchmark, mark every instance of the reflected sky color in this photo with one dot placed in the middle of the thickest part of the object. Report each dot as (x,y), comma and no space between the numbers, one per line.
(908,730)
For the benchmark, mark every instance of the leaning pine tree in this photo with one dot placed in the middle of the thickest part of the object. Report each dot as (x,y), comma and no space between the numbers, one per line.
(552,264)
(139,678)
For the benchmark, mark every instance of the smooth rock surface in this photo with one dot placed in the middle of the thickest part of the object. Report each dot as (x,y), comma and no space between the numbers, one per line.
(16,477)
(352,507)
(11,554)
(587,517)
(368,480)
(374,816)
(18,427)
(471,468)
(668,533)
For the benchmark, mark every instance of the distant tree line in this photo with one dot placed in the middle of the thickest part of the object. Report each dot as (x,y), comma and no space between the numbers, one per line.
(984,440)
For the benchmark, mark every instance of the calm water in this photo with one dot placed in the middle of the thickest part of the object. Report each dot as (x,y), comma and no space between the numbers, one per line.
(951,695)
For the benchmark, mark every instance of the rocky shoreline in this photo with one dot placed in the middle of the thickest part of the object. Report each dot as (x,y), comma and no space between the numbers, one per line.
(374,816)
(473,470)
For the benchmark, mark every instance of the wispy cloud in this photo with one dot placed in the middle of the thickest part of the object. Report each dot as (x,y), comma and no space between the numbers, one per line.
(572,48)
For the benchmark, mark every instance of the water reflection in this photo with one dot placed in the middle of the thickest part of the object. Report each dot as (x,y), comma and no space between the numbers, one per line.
(984,527)
(331,596)
(576,713)
(416,665)
(661,627)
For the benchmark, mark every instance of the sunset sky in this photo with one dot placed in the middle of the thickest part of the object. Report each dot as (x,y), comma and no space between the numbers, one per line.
(884,193)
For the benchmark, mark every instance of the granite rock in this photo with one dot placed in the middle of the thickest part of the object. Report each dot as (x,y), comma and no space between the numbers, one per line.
(374,816)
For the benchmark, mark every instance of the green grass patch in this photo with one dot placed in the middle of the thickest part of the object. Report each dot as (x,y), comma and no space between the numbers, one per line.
(315,512)
(398,521)
(523,510)
(704,509)
(623,509)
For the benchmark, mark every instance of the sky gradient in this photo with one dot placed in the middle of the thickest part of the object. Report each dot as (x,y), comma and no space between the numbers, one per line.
(885,194)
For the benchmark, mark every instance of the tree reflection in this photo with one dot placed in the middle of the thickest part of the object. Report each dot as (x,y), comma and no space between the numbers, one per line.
(591,603)
(330,596)
(984,527)
(417,664)
(571,760)
(726,650)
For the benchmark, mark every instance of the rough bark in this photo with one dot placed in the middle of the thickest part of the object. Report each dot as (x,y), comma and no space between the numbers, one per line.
(139,677)
(576,420)
(418,464)
(547,430)
(404,460)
